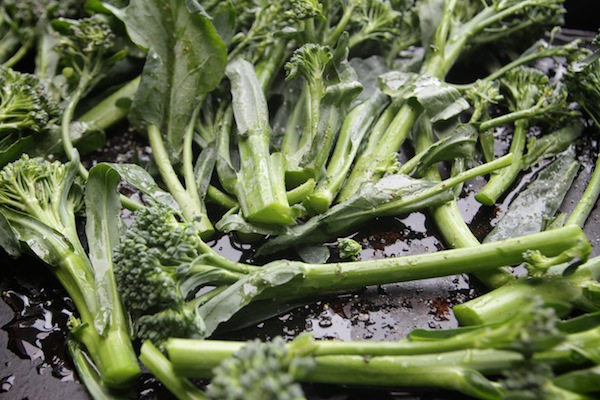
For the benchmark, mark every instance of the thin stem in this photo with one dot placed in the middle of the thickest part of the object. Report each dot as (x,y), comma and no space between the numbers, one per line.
(588,200)
(168,174)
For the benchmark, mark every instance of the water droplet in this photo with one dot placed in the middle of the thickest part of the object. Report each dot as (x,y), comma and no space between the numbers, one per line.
(7,383)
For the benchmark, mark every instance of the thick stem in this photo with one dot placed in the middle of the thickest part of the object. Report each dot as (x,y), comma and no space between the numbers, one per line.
(323,278)
(163,370)
(111,351)
(557,291)
(368,166)
(356,125)
(113,109)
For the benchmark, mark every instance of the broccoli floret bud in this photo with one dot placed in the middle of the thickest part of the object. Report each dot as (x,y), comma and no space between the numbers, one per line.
(533,380)
(148,258)
(257,371)
(526,86)
(309,61)
(170,323)
(24,104)
(538,330)
(33,186)
(152,263)
(304,9)
(86,35)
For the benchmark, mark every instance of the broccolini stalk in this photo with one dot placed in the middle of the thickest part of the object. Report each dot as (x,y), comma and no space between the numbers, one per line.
(87,48)
(355,127)
(526,348)
(330,86)
(162,369)
(460,27)
(161,264)
(445,50)
(260,186)
(529,330)
(527,89)
(559,288)
(393,195)
(38,202)
(449,220)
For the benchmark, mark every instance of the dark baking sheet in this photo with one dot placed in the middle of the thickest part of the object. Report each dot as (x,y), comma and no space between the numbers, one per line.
(34,310)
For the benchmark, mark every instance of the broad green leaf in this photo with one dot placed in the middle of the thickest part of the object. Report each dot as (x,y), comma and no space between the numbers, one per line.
(186,58)
(223,306)
(538,202)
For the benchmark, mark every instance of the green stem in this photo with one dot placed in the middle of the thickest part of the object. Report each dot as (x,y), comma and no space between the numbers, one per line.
(170,178)
(163,370)
(67,118)
(202,220)
(450,222)
(587,202)
(111,351)
(323,278)
(20,53)
(356,125)
(560,292)
(500,181)
(113,109)
(370,165)
(221,198)
(458,370)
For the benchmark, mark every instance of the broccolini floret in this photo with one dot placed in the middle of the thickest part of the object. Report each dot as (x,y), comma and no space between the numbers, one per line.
(39,200)
(23,23)
(159,266)
(25,107)
(258,370)
(86,48)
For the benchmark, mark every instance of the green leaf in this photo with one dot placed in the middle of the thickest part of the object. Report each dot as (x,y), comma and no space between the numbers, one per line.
(224,305)
(144,182)
(186,58)
(8,238)
(538,203)
(440,100)
(103,229)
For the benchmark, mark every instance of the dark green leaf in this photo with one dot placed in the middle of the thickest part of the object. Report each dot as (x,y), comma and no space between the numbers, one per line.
(538,202)
(186,58)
